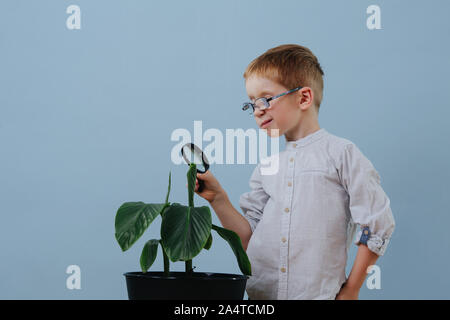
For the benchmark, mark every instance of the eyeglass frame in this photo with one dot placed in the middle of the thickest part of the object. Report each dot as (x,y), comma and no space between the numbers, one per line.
(266,100)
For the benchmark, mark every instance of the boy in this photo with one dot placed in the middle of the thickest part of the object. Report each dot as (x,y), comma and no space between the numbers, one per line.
(298,223)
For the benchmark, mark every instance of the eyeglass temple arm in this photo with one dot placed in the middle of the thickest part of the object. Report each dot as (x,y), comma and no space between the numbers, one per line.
(284,93)
(246,105)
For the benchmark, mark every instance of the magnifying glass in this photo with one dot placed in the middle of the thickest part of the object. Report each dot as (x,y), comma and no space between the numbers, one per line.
(193,154)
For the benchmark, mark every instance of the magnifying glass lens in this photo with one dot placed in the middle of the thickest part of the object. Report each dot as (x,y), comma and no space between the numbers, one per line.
(194,156)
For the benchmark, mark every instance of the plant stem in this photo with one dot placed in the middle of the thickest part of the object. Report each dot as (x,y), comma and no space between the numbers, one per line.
(191,176)
(166,263)
(188,266)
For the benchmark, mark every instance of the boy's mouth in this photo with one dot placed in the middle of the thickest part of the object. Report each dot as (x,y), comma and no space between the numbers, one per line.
(266,123)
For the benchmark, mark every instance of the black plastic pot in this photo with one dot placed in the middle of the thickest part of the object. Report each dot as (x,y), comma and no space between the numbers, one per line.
(180,286)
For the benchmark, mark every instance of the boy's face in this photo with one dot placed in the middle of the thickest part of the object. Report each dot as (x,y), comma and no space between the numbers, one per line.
(284,112)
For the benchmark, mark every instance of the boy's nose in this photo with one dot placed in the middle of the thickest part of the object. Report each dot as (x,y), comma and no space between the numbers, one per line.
(258,112)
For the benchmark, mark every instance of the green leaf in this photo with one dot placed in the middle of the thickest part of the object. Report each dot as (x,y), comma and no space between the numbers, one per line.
(185,231)
(148,254)
(166,205)
(168,188)
(132,219)
(236,245)
(191,177)
(176,204)
(208,242)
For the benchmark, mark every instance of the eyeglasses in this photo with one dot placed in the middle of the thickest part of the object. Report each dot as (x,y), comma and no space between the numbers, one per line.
(263,103)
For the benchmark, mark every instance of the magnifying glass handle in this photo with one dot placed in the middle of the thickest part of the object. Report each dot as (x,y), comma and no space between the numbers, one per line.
(201,184)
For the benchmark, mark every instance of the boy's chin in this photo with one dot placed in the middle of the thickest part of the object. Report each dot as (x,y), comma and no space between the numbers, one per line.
(273,133)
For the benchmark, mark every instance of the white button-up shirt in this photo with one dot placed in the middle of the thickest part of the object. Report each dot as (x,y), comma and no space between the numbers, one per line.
(304,217)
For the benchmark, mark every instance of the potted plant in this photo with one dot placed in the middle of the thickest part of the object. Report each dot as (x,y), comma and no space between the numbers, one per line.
(185,232)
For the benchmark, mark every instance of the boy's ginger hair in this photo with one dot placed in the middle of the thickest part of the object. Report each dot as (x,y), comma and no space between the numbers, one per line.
(290,65)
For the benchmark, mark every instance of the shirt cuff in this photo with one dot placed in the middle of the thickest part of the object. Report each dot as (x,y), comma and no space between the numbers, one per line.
(374,242)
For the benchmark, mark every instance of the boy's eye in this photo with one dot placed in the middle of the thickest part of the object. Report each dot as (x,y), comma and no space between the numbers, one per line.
(266,96)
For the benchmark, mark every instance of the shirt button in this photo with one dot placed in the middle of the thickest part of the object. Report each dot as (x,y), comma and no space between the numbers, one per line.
(290,184)
(294,145)
(283,270)
(286,209)
(291,159)
(283,239)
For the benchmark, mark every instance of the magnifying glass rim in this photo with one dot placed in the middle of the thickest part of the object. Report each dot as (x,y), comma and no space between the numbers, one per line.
(198,150)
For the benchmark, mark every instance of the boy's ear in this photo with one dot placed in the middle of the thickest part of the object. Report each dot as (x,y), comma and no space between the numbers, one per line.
(305,97)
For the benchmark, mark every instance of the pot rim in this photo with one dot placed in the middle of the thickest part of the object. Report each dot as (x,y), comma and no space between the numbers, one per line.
(174,275)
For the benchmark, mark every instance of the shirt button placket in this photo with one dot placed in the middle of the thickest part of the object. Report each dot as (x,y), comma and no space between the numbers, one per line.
(285,226)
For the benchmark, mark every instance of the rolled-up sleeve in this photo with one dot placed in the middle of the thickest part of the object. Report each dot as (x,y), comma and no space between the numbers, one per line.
(368,203)
(253,202)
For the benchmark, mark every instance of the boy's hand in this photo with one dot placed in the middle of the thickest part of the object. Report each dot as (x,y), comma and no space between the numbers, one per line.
(212,190)
(347,293)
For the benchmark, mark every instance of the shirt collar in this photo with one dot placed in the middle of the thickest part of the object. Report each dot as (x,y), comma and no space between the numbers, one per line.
(295,144)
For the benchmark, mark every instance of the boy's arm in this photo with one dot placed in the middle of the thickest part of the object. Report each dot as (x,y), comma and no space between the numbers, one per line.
(252,204)
(364,259)
(231,218)
(370,208)
(368,203)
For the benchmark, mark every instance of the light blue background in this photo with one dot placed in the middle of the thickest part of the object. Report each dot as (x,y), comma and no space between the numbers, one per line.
(86,118)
